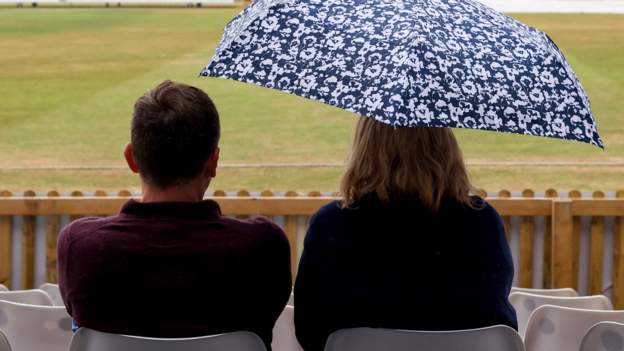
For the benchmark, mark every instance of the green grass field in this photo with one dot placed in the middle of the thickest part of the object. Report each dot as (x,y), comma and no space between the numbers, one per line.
(69,77)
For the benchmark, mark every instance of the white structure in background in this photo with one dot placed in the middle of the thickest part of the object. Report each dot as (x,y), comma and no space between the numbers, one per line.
(556,6)
(194,3)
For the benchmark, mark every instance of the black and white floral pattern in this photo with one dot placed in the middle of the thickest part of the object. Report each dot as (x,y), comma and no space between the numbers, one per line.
(445,63)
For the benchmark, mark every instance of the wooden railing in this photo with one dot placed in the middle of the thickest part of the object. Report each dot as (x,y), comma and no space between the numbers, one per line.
(561,219)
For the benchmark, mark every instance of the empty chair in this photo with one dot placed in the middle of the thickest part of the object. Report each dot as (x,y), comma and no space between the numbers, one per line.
(284,338)
(525,304)
(90,340)
(3,288)
(54,292)
(569,292)
(495,338)
(31,297)
(556,328)
(30,327)
(604,336)
(4,342)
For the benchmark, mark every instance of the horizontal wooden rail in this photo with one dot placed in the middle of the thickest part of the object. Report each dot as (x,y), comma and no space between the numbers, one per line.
(270,206)
(598,207)
(522,206)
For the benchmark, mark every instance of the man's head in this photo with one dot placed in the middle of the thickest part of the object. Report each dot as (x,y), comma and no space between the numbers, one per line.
(175,136)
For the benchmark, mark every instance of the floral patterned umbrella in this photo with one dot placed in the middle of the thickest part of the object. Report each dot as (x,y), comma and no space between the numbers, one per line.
(439,63)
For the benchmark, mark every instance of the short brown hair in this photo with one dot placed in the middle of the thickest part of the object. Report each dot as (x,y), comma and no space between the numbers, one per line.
(175,128)
(395,163)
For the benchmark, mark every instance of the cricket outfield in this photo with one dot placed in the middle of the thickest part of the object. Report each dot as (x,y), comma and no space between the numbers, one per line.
(69,78)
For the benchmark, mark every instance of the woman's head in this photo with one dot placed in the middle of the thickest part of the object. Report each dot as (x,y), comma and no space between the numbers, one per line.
(395,163)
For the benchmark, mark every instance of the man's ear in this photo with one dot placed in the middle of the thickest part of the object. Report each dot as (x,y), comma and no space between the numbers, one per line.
(129,155)
(212,163)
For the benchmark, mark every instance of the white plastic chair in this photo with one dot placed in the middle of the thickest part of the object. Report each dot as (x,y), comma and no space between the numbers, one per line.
(54,292)
(284,338)
(31,328)
(525,304)
(556,328)
(90,340)
(4,342)
(604,336)
(31,297)
(3,288)
(291,299)
(495,338)
(569,292)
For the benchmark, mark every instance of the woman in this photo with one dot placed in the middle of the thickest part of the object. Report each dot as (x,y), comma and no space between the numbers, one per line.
(407,247)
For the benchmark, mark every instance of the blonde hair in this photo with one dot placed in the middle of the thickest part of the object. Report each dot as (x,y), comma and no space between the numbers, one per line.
(395,163)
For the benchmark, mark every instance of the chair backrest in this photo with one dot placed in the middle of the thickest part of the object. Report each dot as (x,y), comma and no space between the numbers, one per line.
(3,288)
(284,338)
(525,304)
(556,328)
(604,336)
(495,338)
(90,340)
(4,342)
(54,292)
(569,292)
(31,327)
(31,297)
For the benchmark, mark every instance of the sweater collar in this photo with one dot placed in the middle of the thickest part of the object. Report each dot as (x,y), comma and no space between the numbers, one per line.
(199,209)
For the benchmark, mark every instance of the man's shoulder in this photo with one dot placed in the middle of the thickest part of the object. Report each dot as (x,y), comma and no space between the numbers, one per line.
(257,226)
(84,238)
(84,226)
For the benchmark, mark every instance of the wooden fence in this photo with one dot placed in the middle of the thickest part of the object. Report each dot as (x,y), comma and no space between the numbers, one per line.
(561,219)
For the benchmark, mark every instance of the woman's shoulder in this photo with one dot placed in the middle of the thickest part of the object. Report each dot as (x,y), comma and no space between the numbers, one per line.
(480,207)
(478,215)
(330,212)
(482,215)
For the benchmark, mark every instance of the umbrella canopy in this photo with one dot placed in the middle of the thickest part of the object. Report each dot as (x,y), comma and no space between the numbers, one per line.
(437,63)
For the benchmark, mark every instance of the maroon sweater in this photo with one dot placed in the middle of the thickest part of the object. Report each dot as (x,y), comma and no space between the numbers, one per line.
(174,270)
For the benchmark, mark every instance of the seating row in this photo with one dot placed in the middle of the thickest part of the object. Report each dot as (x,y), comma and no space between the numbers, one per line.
(545,328)
(55,294)
(46,295)
(602,336)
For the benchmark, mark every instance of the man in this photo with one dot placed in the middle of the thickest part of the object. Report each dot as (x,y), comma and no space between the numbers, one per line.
(172,265)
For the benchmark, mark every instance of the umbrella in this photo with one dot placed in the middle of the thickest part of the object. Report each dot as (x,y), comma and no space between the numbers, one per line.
(437,63)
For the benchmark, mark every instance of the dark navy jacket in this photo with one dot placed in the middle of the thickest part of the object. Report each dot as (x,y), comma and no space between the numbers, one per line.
(401,266)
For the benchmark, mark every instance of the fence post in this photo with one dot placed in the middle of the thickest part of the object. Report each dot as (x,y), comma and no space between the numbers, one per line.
(547,274)
(267,193)
(124,193)
(53,228)
(506,219)
(576,241)
(618,259)
(290,227)
(6,252)
(562,244)
(219,193)
(243,193)
(596,249)
(527,233)
(28,247)
(75,193)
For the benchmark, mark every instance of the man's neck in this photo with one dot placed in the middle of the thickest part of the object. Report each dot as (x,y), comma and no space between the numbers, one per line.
(181,193)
